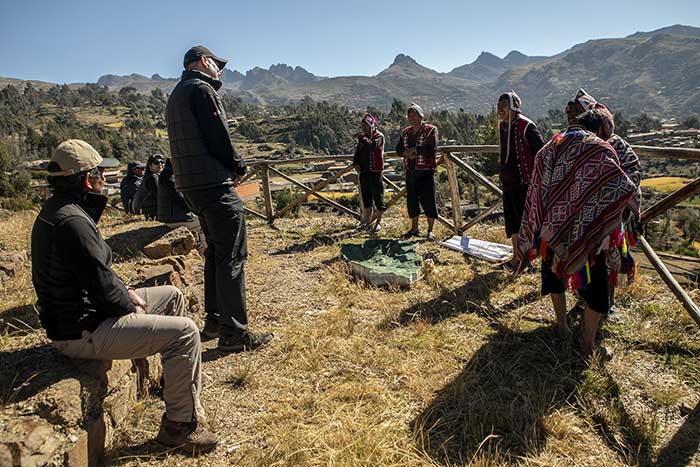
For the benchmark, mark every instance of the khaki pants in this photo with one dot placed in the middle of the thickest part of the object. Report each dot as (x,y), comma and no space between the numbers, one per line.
(163,329)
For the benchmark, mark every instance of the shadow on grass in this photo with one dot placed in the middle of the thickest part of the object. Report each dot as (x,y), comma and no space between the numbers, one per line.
(496,406)
(129,244)
(318,239)
(146,451)
(684,444)
(19,321)
(472,297)
(324,264)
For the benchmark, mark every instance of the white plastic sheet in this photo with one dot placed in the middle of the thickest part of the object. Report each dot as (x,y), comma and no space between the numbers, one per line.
(495,252)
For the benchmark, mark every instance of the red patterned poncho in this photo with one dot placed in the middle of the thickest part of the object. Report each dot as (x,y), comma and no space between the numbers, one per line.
(574,204)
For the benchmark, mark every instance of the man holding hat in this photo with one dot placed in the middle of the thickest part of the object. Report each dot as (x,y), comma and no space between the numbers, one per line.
(130,184)
(206,168)
(89,313)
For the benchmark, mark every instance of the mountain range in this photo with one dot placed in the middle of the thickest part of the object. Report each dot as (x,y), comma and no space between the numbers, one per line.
(656,72)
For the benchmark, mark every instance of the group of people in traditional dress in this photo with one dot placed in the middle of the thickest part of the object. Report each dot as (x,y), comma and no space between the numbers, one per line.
(417,146)
(573,201)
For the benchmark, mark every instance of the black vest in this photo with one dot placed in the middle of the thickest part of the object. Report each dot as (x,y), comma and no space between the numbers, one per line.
(195,168)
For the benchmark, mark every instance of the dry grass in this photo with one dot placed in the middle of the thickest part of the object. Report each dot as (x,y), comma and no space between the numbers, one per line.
(665,184)
(461,369)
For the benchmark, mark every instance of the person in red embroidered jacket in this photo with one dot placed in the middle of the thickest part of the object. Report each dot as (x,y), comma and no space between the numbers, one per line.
(418,147)
(519,140)
(369,162)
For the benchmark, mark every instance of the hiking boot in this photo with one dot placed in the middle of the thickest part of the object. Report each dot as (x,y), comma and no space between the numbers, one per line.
(190,437)
(246,341)
(210,330)
(410,233)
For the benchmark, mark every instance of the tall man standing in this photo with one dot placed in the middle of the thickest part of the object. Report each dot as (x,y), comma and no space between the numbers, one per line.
(418,146)
(206,168)
(573,220)
(519,140)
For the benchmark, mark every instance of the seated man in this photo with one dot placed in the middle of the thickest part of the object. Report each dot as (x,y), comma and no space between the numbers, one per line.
(130,184)
(172,209)
(89,313)
(146,198)
(573,219)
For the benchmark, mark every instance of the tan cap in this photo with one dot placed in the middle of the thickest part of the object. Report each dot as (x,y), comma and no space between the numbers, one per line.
(74,156)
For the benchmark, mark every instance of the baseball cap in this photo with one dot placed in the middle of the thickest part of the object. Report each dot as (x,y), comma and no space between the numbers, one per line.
(198,51)
(74,156)
(109,163)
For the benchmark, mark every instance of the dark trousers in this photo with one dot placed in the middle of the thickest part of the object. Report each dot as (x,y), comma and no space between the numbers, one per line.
(220,212)
(596,294)
(420,192)
(372,189)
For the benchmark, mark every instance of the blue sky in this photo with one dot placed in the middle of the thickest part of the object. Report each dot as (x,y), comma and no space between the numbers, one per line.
(79,40)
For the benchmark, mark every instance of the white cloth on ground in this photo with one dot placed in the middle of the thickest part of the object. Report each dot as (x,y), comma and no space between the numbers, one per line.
(495,252)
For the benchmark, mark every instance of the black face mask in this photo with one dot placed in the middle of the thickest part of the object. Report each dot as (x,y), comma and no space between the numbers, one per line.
(94,205)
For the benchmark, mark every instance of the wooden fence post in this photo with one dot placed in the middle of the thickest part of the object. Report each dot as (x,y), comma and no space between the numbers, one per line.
(267,193)
(454,192)
(670,281)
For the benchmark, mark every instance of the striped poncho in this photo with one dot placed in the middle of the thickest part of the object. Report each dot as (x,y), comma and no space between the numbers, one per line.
(574,205)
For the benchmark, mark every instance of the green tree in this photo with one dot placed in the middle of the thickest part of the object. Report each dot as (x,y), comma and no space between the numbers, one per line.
(646,123)
(692,121)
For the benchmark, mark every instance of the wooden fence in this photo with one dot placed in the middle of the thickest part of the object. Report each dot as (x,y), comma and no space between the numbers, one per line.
(457,158)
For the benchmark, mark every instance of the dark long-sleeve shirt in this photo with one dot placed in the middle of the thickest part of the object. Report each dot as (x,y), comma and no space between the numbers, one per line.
(427,147)
(369,153)
(202,153)
(523,147)
(127,189)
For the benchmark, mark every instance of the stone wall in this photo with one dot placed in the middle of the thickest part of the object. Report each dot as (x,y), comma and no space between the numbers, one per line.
(61,412)
(66,413)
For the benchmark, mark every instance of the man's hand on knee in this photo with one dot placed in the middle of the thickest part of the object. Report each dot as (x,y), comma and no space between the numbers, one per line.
(136,300)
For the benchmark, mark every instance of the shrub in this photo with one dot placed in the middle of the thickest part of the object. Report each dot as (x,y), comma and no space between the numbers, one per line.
(284,198)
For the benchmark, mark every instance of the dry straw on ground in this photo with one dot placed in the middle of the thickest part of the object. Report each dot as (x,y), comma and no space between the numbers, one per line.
(462,369)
